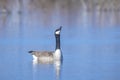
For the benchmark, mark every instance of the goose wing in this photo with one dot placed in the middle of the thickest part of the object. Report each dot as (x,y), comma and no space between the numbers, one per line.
(42,53)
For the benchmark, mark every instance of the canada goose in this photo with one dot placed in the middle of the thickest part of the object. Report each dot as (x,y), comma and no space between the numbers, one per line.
(49,56)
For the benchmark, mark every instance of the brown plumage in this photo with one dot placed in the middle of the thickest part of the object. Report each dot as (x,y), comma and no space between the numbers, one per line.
(43,56)
(42,53)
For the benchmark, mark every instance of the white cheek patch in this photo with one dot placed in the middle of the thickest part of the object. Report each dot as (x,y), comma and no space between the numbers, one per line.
(57,32)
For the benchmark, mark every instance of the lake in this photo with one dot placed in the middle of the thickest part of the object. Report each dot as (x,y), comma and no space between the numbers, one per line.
(89,54)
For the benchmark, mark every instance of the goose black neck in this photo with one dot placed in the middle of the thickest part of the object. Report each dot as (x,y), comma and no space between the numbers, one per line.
(57,41)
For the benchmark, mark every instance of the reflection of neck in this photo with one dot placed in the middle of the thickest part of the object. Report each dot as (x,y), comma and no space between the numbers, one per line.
(57,41)
(57,69)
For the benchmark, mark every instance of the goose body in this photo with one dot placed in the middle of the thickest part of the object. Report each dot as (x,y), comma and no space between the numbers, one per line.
(49,56)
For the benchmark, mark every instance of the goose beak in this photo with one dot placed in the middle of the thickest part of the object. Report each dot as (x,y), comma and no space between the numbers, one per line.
(60,28)
(57,31)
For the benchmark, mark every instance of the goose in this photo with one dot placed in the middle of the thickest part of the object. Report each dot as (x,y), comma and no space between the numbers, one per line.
(49,56)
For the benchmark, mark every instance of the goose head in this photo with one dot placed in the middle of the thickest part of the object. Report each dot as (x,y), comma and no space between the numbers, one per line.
(57,31)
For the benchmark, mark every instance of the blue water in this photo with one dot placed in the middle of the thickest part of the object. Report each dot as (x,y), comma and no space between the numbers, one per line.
(89,53)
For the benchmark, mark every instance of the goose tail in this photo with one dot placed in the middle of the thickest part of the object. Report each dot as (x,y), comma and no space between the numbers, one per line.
(30,51)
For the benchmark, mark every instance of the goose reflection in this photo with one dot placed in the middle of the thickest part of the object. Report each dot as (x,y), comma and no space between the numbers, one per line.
(56,65)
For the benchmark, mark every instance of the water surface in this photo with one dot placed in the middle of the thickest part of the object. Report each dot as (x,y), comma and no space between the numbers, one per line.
(91,53)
